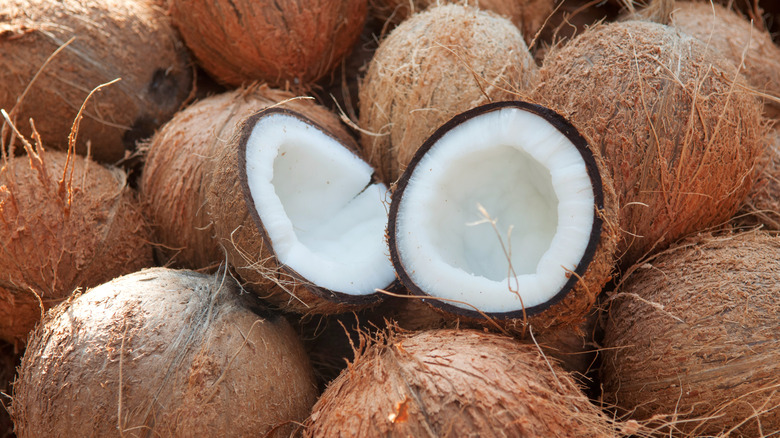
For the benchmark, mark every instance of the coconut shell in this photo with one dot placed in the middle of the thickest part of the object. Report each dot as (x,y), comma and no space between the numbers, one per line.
(693,335)
(282,43)
(66,222)
(162,353)
(131,40)
(179,163)
(674,122)
(434,65)
(453,382)
(528,15)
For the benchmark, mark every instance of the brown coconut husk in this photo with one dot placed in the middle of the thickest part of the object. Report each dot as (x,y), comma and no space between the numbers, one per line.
(281,43)
(163,353)
(453,382)
(66,222)
(9,359)
(762,207)
(674,122)
(569,19)
(528,15)
(692,341)
(179,163)
(131,40)
(436,64)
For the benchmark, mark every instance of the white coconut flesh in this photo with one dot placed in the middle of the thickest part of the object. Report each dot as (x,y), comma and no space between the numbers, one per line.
(316,200)
(512,168)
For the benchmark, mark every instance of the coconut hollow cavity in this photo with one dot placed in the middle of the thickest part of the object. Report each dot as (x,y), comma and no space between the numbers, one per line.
(317,204)
(500,213)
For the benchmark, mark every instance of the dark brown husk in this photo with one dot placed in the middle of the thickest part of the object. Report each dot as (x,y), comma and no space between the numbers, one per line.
(163,353)
(433,66)
(453,383)
(131,40)
(692,339)
(9,359)
(66,222)
(289,43)
(673,121)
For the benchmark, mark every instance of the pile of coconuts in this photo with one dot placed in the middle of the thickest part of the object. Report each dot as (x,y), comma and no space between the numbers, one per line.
(389,218)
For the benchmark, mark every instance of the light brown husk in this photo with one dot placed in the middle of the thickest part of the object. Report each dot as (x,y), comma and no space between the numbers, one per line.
(453,383)
(286,44)
(673,121)
(66,222)
(693,338)
(131,40)
(162,353)
(433,66)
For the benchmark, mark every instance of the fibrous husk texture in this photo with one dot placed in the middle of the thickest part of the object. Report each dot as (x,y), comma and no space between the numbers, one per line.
(732,35)
(453,383)
(763,202)
(9,359)
(66,222)
(672,120)
(281,43)
(434,65)
(162,353)
(693,338)
(528,15)
(131,40)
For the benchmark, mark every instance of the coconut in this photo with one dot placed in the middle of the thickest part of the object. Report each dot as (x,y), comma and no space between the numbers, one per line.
(65,222)
(162,352)
(763,202)
(674,121)
(444,382)
(528,15)
(280,43)
(300,215)
(433,66)
(569,19)
(131,40)
(505,214)
(692,337)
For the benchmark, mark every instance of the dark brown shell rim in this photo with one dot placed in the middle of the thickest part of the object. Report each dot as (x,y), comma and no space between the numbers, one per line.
(245,131)
(571,133)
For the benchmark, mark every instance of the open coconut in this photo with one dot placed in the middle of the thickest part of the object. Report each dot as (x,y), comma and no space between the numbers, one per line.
(300,215)
(281,43)
(453,382)
(434,65)
(505,213)
(131,40)
(65,222)
(163,353)
(675,122)
(693,338)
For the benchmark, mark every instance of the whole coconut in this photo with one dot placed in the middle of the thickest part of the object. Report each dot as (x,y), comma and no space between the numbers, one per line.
(131,40)
(693,338)
(66,222)
(281,43)
(453,382)
(674,122)
(163,353)
(434,65)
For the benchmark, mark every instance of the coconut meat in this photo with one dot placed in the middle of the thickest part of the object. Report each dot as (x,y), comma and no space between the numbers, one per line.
(499,209)
(316,200)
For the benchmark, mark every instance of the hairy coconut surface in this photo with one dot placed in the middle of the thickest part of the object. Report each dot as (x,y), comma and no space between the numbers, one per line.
(763,202)
(673,121)
(163,352)
(569,19)
(528,15)
(131,40)
(693,337)
(431,67)
(66,222)
(453,383)
(281,43)
(299,213)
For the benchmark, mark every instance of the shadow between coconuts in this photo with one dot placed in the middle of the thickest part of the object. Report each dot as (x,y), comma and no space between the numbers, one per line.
(581,144)
(333,299)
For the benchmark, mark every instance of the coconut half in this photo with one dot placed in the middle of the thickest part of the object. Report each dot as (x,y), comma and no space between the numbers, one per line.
(501,213)
(319,212)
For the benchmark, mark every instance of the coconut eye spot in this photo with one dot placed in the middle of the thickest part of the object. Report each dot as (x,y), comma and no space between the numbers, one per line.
(316,199)
(496,213)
